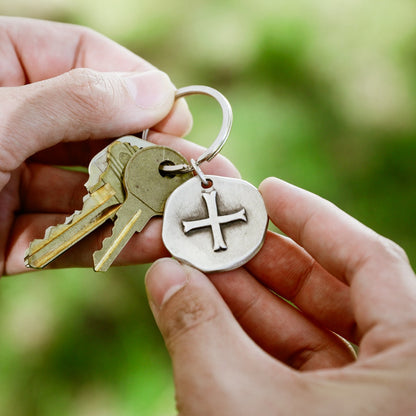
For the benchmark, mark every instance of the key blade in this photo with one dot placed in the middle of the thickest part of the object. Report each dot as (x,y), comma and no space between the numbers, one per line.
(126,224)
(100,206)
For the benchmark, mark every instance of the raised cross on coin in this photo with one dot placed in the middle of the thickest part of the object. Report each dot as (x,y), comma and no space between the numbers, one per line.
(214,220)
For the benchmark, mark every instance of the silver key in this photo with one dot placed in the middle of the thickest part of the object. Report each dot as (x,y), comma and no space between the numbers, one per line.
(147,189)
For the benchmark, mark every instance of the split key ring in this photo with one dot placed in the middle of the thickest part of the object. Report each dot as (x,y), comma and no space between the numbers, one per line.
(217,145)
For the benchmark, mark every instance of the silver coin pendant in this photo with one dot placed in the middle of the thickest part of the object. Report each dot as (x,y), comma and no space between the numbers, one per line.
(217,227)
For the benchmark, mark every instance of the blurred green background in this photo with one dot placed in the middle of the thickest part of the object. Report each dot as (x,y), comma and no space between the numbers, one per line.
(323,93)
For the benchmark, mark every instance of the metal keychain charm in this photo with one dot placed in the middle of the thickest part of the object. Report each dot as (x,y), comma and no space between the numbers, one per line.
(213,223)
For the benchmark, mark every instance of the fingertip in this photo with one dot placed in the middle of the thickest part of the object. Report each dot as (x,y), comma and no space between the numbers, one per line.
(266,181)
(178,122)
(279,198)
(268,190)
(164,278)
(276,192)
(269,183)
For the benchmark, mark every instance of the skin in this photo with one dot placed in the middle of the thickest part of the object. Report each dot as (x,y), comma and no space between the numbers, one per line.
(237,348)
(65,90)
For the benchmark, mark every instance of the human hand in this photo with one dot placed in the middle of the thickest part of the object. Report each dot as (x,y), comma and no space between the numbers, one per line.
(251,353)
(64,91)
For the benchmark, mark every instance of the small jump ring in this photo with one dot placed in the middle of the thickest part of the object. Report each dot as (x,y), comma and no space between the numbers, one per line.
(199,172)
(217,145)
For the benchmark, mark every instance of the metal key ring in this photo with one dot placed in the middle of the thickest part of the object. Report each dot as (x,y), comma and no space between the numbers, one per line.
(217,145)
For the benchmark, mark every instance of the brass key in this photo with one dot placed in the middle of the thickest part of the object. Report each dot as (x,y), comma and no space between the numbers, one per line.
(147,189)
(100,204)
(99,163)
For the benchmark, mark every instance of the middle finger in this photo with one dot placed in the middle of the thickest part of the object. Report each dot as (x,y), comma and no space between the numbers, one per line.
(288,270)
(276,326)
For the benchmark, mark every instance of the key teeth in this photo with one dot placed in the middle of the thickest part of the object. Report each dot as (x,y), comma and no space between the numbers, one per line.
(53,230)
(101,264)
(33,245)
(69,219)
(98,254)
(88,185)
(48,231)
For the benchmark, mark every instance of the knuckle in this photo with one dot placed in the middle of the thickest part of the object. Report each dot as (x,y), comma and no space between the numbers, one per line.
(300,357)
(13,130)
(389,250)
(93,93)
(379,252)
(9,154)
(391,334)
(179,316)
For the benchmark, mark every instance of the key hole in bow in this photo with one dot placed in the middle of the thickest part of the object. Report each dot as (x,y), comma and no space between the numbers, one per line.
(164,173)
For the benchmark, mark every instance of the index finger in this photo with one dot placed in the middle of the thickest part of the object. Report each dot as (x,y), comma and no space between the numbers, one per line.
(376,269)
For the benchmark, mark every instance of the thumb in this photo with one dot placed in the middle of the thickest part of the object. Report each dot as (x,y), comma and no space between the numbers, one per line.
(210,352)
(78,105)
(189,311)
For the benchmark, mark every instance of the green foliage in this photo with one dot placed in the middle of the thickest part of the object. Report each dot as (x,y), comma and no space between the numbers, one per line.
(323,96)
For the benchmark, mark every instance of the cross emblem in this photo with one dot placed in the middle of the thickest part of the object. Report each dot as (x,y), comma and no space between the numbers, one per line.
(214,220)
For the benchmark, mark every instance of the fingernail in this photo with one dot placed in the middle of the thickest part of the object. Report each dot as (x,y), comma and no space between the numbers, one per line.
(164,278)
(150,89)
